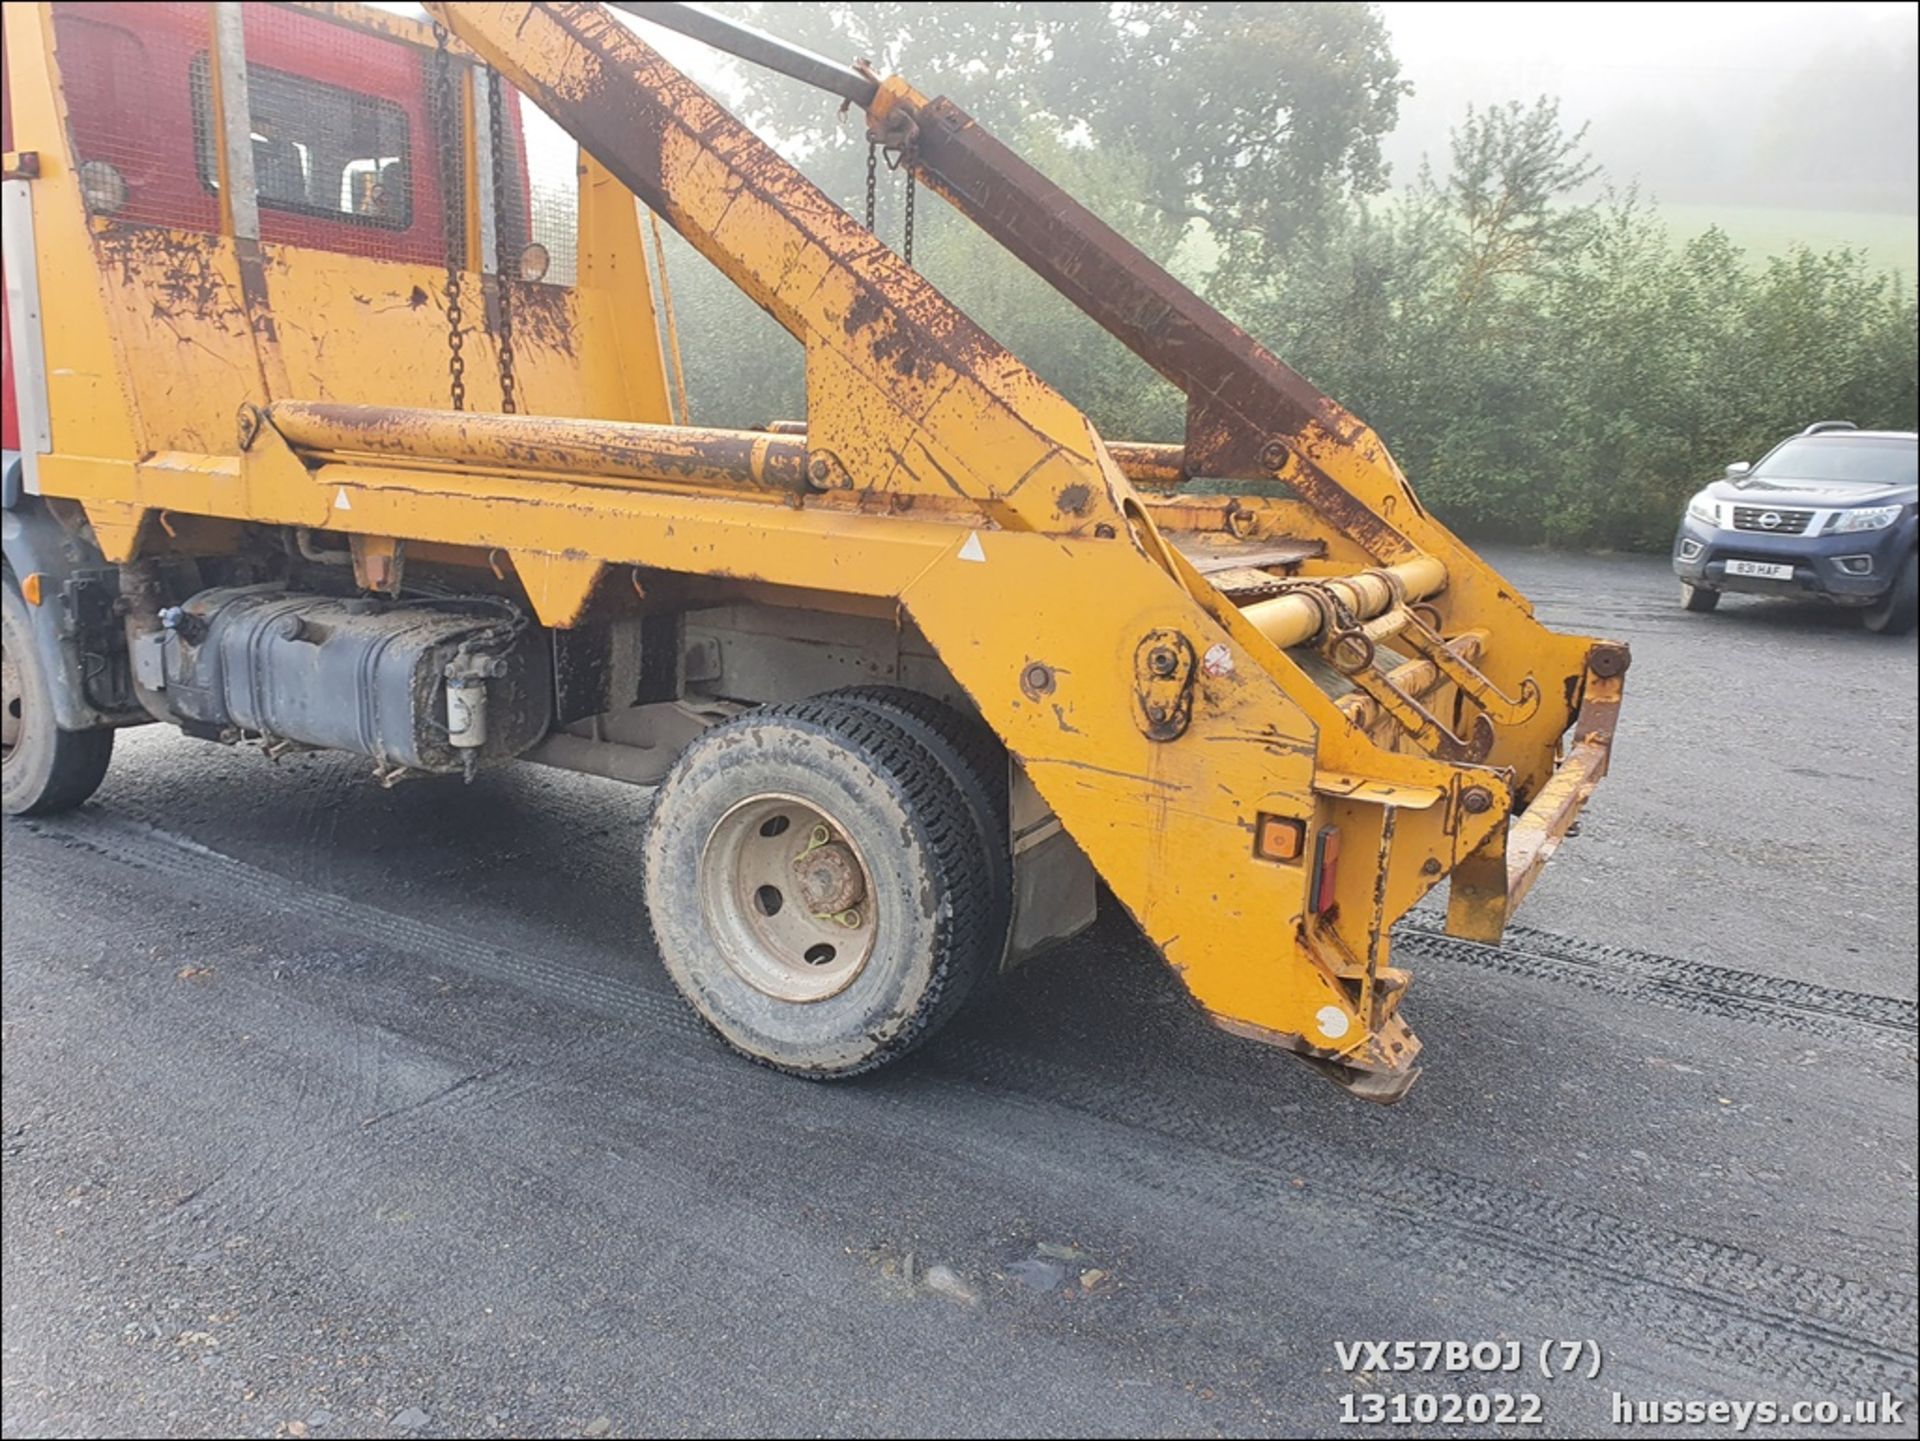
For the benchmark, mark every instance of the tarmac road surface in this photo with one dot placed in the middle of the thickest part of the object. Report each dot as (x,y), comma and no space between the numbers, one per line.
(332,1110)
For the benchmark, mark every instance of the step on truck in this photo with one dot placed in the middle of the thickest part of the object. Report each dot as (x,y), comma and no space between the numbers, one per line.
(338,417)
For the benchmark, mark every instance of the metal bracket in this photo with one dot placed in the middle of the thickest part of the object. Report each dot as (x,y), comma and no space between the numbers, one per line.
(1351,652)
(1163,670)
(379,561)
(1417,635)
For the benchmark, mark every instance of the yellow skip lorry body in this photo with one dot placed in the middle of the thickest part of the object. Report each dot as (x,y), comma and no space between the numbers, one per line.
(334,422)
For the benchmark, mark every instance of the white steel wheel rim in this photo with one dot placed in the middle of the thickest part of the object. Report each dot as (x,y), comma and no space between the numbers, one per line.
(13,694)
(789,897)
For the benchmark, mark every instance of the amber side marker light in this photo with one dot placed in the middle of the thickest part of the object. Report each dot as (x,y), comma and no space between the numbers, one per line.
(1279,838)
(32,588)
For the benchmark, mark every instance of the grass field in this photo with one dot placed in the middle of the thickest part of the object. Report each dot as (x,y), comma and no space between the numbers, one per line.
(1888,241)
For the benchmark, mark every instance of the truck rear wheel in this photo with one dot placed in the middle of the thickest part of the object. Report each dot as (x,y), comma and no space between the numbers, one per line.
(1896,612)
(815,887)
(971,754)
(43,769)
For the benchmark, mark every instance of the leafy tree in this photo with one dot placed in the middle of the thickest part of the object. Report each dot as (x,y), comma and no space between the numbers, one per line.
(1514,172)
(1256,117)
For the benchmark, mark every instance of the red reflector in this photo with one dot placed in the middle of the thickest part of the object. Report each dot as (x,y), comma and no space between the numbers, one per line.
(1326,869)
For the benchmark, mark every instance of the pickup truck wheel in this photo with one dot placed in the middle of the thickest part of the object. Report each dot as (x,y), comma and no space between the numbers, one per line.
(1698,598)
(1897,611)
(43,769)
(815,888)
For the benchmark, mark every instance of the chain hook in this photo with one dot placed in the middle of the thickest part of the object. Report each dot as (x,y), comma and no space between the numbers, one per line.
(446,133)
(504,258)
(906,244)
(873,173)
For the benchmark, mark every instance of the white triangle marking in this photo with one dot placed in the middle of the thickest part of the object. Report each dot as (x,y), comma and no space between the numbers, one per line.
(340,501)
(971,550)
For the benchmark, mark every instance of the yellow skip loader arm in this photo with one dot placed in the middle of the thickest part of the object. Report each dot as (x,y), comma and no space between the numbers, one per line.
(1257,831)
(1271,722)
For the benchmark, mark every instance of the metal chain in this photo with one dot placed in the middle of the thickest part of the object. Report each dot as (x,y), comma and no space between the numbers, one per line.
(906,249)
(873,172)
(503,249)
(446,134)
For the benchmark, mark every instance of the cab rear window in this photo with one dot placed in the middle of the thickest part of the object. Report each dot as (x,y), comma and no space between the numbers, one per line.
(318,149)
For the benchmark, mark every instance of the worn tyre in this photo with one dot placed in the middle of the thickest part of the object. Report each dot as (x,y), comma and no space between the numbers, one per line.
(1698,598)
(979,748)
(814,887)
(43,769)
(969,752)
(1898,611)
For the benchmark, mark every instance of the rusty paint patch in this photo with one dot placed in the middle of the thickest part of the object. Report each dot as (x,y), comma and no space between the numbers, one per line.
(542,316)
(178,269)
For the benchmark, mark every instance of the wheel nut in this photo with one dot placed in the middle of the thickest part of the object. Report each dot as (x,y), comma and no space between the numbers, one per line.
(829,879)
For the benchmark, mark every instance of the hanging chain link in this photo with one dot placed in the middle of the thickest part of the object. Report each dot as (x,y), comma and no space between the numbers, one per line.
(906,242)
(873,173)
(446,135)
(505,262)
(898,158)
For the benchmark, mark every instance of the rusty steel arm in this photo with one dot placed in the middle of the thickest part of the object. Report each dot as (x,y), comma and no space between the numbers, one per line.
(1249,416)
(1240,396)
(697,22)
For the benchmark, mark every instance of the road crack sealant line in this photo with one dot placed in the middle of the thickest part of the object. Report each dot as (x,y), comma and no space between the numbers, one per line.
(1711,1298)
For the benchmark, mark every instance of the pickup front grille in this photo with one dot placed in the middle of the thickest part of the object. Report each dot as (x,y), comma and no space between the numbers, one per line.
(1769,521)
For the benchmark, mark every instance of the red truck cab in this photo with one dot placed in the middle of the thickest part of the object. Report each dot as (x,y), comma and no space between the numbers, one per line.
(348,128)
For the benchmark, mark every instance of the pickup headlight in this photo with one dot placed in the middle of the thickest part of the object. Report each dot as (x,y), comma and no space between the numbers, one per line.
(1705,509)
(1874,517)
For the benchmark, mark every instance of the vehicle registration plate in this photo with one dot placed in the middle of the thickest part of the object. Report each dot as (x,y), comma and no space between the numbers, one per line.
(1760,569)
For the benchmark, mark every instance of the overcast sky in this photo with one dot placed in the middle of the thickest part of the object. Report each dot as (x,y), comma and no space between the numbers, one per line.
(1700,101)
(1679,95)
(1633,68)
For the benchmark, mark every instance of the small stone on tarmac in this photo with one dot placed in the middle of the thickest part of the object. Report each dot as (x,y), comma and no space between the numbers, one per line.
(943,1281)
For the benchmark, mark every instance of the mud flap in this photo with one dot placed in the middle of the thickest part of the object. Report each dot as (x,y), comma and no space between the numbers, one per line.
(35,543)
